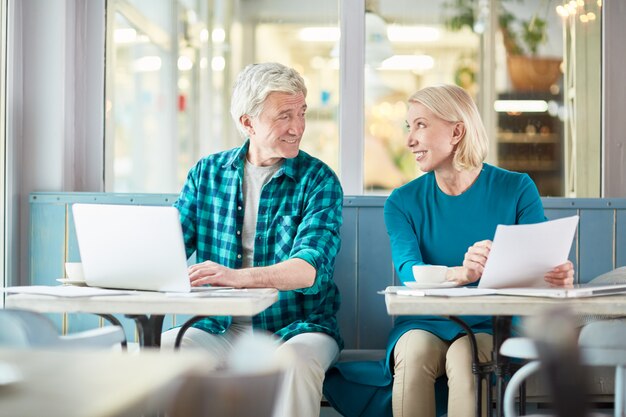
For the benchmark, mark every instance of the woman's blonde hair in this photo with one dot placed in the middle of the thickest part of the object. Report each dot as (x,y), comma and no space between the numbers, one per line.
(453,104)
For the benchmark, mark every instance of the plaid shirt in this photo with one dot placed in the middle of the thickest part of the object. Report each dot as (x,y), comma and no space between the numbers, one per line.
(299,217)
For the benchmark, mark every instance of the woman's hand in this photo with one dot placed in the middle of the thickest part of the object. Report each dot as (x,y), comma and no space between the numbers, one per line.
(473,264)
(561,276)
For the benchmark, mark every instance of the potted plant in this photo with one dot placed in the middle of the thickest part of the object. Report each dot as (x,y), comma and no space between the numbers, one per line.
(521,38)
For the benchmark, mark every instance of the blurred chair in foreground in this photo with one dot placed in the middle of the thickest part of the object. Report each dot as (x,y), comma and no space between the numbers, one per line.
(227,394)
(247,385)
(29,329)
(556,351)
(603,343)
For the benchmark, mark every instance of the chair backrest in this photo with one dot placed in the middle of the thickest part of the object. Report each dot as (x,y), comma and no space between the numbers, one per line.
(552,342)
(29,329)
(224,393)
(21,328)
(603,343)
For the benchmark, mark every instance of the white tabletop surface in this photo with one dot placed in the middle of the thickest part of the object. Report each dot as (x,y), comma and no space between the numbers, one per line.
(240,303)
(93,384)
(504,305)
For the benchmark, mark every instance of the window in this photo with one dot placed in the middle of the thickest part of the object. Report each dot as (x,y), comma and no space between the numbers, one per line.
(3,137)
(170,68)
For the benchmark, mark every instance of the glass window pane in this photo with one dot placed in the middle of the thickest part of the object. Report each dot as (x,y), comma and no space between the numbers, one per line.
(170,71)
(407,48)
(171,65)
(545,75)
(141,92)
(307,38)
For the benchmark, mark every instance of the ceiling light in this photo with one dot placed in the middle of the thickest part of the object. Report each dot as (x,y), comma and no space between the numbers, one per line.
(124,35)
(520,106)
(413,33)
(409,62)
(147,64)
(319,34)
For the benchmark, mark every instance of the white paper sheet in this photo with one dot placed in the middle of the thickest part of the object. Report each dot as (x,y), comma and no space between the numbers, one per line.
(522,254)
(65,291)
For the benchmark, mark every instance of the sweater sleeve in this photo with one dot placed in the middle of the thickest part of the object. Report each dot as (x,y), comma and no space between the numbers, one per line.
(405,250)
(529,206)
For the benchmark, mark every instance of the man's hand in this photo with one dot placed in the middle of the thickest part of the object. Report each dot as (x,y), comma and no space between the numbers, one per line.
(561,276)
(287,275)
(212,273)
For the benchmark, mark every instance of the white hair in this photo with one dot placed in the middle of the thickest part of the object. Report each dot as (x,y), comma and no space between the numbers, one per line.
(255,83)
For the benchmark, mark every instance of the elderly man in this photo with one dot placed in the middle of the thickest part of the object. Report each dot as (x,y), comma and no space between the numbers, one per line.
(268,215)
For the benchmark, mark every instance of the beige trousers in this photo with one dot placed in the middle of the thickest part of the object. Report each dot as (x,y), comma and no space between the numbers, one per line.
(420,358)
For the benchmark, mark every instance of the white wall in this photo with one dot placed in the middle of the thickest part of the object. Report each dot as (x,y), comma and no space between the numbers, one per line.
(55,106)
(36,115)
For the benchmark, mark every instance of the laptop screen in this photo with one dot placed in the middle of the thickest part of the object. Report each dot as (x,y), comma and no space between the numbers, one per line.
(131,247)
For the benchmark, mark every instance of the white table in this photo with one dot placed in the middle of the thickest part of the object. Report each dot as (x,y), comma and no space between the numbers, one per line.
(502,308)
(614,305)
(94,384)
(148,309)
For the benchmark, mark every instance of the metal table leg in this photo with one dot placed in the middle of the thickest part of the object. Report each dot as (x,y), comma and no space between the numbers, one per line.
(183,329)
(113,320)
(482,371)
(501,332)
(149,329)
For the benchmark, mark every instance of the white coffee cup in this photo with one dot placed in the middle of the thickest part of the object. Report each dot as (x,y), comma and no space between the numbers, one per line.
(74,271)
(429,274)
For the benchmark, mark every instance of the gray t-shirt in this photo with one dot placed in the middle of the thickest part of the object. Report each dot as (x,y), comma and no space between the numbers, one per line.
(254,178)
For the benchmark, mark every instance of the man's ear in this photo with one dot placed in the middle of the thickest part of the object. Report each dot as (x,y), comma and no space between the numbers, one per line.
(458,132)
(246,122)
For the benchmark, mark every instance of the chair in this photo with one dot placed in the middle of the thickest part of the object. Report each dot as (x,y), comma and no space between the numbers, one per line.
(227,394)
(29,329)
(246,385)
(601,343)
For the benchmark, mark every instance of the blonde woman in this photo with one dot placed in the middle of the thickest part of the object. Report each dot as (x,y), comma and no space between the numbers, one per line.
(448,216)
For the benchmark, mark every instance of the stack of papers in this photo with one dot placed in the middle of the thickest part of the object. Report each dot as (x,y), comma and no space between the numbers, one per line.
(522,254)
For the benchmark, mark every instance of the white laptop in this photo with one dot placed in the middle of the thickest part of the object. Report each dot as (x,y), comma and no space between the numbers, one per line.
(131,247)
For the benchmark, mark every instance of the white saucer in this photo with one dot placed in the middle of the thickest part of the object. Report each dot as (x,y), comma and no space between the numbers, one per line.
(9,374)
(419,285)
(77,282)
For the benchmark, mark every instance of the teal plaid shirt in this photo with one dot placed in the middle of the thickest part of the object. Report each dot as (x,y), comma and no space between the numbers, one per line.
(299,217)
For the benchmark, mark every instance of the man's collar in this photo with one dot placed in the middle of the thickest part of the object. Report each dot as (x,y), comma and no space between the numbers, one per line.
(238,160)
(239,156)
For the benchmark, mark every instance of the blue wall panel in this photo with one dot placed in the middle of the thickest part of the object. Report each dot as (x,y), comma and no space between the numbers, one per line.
(559,213)
(346,277)
(620,238)
(375,274)
(596,243)
(47,251)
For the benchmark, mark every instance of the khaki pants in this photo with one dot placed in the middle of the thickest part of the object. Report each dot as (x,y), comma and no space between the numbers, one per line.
(420,358)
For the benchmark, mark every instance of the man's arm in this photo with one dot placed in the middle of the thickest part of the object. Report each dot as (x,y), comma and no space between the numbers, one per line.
(311,257)
(287,275)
